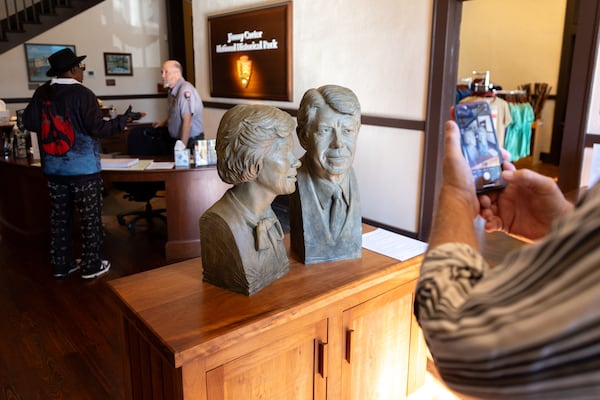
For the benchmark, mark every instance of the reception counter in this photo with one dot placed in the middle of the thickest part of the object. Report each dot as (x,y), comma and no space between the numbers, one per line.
(24,203)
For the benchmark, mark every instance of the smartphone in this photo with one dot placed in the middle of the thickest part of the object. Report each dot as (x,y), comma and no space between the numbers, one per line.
(480,144)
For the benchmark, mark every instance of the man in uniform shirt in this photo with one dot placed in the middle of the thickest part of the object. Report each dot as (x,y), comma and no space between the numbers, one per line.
(184,121)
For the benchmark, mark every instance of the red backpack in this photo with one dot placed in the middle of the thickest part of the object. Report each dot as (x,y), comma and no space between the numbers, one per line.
(57,134)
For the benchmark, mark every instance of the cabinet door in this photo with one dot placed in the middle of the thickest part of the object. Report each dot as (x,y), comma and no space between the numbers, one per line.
(290,367)
(377,346)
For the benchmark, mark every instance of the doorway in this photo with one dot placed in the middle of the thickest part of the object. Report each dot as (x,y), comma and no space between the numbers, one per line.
(447,16)
(518,43)
(180,36)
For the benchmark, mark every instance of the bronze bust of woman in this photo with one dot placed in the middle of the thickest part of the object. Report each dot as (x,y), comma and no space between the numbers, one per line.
(241,237)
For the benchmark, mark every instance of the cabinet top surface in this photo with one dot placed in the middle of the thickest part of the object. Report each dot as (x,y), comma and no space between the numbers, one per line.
(185,314)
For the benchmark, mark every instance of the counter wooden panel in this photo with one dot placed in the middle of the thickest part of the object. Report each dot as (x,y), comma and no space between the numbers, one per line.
(304,336)
(24,202)
(25,205)
(189,193)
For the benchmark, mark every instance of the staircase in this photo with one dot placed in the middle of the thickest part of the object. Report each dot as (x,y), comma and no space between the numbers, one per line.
(21,20)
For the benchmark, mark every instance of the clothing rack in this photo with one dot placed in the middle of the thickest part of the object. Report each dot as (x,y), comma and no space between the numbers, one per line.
(477,84)
(537,96)
(480,81)
(513,96)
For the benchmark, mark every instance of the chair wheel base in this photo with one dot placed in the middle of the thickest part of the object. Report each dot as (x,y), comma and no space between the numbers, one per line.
(148,215)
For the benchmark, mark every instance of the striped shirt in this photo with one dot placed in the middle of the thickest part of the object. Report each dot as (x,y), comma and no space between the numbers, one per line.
(527,329)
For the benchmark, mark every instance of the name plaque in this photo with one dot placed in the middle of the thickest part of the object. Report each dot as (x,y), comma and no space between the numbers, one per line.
(250,53)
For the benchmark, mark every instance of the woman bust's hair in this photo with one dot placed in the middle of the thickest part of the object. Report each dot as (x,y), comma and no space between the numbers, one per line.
(246,134)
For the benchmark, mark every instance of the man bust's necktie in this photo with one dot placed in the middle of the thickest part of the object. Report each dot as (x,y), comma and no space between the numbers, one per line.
(337,215)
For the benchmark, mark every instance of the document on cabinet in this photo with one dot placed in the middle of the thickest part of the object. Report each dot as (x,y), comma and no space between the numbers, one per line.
(393,244)
(161,165)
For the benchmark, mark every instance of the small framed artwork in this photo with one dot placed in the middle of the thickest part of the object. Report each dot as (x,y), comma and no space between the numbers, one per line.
(36,56)
(118,64)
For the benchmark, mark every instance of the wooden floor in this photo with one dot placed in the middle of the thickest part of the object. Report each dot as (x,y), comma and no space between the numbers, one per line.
(546,169)
(59,339)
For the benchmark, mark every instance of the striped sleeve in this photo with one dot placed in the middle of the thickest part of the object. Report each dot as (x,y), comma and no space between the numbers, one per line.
(527,329)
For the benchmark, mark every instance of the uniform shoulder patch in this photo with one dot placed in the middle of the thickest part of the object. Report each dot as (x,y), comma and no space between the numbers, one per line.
(187,94)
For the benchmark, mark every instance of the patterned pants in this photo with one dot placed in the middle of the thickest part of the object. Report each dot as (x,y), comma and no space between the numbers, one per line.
(86,196)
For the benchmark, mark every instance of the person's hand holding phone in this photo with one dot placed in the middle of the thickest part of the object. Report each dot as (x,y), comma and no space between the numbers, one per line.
(456,170)
(458,204)
(526,207)
(479,144)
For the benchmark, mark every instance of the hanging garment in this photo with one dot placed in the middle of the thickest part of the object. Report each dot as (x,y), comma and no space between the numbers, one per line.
(518,132)
(461,93)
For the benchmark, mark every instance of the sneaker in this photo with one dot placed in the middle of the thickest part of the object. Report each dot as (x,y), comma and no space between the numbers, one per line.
(94,273)
(59,271)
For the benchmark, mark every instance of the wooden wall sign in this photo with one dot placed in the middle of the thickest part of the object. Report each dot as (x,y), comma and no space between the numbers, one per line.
(251,53)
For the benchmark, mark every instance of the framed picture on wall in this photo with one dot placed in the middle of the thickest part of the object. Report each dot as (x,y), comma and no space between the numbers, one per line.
(118,64)
(36,58)
(251,53)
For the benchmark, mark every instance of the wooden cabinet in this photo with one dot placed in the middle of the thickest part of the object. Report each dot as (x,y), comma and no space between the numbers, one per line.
(340,330)
(377,347)
(286,368)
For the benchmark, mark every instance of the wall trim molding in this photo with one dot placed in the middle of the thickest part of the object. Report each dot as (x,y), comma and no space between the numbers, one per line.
(103,97)
(366,119)
(591,139)
(412,235)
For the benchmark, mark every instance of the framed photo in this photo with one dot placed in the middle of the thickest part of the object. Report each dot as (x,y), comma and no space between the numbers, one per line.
(118,64)
(36,58)
(251,53)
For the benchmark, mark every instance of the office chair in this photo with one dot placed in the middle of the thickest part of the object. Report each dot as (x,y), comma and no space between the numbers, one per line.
(143,141)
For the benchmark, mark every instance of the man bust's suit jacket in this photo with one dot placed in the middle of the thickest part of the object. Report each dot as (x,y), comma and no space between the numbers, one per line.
(310,234)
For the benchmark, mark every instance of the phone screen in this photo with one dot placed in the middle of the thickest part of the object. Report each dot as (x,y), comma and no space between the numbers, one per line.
(480,144)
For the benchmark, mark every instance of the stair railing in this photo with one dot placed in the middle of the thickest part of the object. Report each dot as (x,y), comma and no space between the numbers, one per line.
(16,13)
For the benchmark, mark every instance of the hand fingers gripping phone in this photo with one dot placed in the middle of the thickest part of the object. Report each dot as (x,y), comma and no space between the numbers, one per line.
(480,144)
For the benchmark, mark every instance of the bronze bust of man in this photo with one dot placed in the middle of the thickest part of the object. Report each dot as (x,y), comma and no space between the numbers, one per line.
(241,238)
(325,215)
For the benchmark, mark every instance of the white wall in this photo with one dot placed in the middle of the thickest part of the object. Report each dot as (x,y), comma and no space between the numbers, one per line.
(518,41)
(133,26)
(378,49)
(593,124)
(594,111)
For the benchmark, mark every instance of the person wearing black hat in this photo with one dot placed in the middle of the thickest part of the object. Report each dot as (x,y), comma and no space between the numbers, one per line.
(63,61)
(70,159)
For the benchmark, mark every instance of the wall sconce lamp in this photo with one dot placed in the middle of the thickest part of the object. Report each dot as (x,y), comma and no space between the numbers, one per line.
(244,67)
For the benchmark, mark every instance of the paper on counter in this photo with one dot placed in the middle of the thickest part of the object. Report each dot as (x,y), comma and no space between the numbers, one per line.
(161,165)
(139,166)
(118,162)
(392,244)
